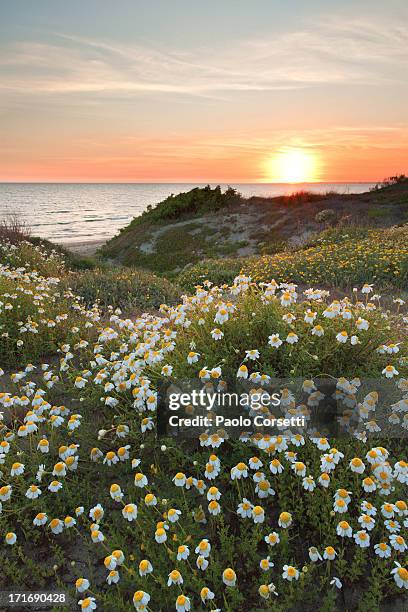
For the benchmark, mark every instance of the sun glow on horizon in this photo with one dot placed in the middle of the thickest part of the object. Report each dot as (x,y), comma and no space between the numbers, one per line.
(293,166)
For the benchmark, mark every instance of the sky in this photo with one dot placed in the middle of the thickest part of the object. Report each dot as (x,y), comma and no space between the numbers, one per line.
(193,91)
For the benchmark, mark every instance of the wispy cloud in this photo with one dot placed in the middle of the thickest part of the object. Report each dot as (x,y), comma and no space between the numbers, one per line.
(330,52)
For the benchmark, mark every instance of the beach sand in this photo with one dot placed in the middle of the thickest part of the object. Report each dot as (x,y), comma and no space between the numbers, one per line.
(86,248)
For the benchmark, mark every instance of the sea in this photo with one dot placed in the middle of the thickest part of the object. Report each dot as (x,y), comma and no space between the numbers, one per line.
(69,213)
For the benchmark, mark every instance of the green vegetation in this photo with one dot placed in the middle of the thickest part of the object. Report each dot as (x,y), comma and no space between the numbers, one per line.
(328,215)
(122,288)
(339,257)
(303,196)
(218,271)
(392,181)
(43,298)
(71,260)
(170,248)
(34,255)
(198,200)
(205,223)
(381,258)
(35,316)
(87,484)
(104,500)
(377,213)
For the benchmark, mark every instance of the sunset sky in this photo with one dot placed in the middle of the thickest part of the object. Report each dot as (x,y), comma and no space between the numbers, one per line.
(196,91)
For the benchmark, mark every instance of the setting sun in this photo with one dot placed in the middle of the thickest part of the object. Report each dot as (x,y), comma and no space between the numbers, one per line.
(293,166)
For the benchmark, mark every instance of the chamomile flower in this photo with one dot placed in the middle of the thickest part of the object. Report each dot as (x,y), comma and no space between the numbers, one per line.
(113,577)
(174,578)
(179,479)
(183,603)
(145,567)
(367,522)
(96,513)
(242,371)
(285,519)
(398,542)
(314,554)
(202,563)
(82,585)
(40,519)
(116,492)
(217,334)
(239,471)
(400,576)
(362,539)
(87,604)
(140,480)
(129,512)
(182,552)
(141,600)
(245,508)
(10,538)
(392,526)
(266,564)
(329,553)
(229,577)
(389,371)
(383,550)
(357,466)
(206,595)
(258,514)
(344,530)
(160,535)
(290,573)
(203,548)
(275,341)
(272,538)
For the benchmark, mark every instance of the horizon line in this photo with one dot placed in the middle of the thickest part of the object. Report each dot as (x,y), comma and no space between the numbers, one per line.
(209,182)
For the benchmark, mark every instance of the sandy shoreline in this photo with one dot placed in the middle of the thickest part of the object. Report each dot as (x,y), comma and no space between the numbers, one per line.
(88,247)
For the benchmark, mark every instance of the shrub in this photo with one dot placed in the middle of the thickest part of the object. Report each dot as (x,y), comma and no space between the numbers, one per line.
(46,259)
(122,288)
(13,229)
(398,179)
(218,271)
(199,199)
(328,215)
